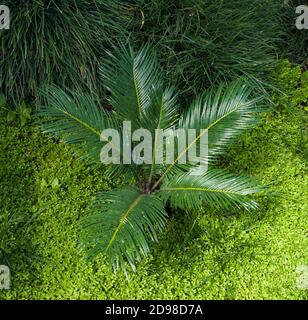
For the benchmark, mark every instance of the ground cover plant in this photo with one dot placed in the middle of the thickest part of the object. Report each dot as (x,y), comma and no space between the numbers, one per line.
(203,255)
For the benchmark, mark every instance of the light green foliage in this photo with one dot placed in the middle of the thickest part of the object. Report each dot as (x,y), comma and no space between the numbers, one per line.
(294,85)
(216,255)
(22,113)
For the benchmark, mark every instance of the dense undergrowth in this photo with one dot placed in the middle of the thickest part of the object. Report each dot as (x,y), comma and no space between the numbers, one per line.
(58,42)
(199,43)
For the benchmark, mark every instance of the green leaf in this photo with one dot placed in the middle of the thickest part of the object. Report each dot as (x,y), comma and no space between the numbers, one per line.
(221,115)
(28,111)
(11,116)
(55,183)
(43,184)
(76,119)
(22,106)
(79,121)
(215,188)
(123,223)
(132,79)
(23,119)
(2,100)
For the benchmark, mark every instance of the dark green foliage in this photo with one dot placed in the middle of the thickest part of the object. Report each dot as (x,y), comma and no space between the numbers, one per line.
(295,45)
(2,101)
(203,42)
(121,235)
(58,42)
(126,220)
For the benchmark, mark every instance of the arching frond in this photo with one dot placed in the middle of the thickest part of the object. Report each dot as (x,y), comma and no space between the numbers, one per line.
(131,79)
(123,223)
(161,116)
(221,115)
(76,119)
(215,188)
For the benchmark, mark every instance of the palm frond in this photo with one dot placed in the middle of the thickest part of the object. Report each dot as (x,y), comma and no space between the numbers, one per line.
(163,112)
(221,115)
(162,115)
(122,224)
(131,79)
(76,119)
(215,188)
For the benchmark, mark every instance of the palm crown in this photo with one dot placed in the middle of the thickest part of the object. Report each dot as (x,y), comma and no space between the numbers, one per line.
(124,221)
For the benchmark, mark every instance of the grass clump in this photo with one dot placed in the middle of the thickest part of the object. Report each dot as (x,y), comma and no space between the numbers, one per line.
(295,46)
(201,43)
(56,42)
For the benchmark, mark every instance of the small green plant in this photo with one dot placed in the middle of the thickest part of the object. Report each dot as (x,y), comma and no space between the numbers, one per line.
(22,113)
(53,185)
(122,222)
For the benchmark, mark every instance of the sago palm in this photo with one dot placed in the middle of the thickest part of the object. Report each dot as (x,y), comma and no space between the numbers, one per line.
(124,221)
